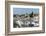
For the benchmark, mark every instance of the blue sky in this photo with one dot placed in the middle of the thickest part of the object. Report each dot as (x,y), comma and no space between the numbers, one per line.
(25,10)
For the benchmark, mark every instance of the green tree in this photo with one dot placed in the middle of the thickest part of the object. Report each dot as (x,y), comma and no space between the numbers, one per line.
(31,14)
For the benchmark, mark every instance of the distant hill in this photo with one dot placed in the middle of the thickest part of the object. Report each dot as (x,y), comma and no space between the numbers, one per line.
(31,14)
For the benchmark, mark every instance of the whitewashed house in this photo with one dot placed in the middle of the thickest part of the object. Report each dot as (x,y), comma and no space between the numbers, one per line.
(35,21)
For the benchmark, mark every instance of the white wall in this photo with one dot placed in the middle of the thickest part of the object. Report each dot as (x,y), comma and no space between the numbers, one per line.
(2,18)
(2,23)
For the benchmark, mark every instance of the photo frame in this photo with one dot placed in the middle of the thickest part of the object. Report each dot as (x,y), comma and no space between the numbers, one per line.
(26,13)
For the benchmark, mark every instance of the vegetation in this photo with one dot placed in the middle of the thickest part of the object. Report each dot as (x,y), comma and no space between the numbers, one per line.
(31,14)
(26,15)
(14,15)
